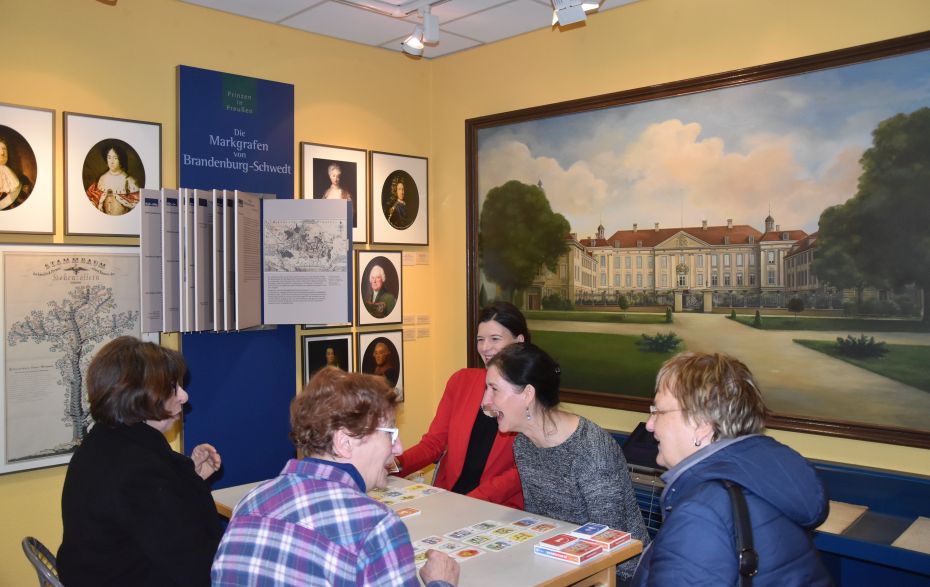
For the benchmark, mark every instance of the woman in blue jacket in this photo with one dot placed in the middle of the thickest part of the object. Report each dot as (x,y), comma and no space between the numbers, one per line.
(707,417)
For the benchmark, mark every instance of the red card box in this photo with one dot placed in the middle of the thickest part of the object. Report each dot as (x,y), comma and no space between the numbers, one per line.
(576,552)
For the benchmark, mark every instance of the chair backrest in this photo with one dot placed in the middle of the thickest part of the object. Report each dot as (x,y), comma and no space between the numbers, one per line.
(44,562)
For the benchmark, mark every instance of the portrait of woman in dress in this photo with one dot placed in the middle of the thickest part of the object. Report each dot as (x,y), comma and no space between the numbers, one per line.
(114,189)
(335,180)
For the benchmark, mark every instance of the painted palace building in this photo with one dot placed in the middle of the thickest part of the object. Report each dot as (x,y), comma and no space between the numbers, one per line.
(736,259)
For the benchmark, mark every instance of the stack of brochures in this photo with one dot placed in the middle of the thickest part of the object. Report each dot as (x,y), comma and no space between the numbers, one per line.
(581,544)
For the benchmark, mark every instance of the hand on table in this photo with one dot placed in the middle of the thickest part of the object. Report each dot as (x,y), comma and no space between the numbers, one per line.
(206,460)
(439,567)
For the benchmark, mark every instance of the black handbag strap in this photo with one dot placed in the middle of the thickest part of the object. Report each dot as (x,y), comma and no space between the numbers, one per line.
(747,555)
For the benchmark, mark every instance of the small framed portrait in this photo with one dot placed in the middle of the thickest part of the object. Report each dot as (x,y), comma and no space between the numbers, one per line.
(339,173)
(380,287)
(107,162)
(27,168)
(400,199)
(334,350)
(382,353)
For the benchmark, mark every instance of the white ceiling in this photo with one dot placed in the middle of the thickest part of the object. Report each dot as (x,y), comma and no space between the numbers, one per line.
(463,24)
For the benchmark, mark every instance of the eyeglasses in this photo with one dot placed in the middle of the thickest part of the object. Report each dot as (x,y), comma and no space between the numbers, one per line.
(394,432)
(654,411)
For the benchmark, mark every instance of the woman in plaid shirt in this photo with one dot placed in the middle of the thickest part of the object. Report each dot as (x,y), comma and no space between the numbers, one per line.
(314,524)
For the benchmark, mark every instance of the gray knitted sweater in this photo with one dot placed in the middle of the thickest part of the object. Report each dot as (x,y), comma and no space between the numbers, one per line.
(584,479)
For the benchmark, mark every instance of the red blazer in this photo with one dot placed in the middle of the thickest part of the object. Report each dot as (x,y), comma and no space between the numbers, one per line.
(450,431)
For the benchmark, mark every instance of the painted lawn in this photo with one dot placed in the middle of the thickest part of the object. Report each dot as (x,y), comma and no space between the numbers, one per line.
(904,362)
(609,363)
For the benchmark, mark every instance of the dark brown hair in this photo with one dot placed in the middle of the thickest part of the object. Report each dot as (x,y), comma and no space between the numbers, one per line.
(334,399)
(129,381)
(508,316)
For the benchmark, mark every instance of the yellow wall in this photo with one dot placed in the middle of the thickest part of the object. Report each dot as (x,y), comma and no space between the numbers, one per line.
(645,43)
(82,56)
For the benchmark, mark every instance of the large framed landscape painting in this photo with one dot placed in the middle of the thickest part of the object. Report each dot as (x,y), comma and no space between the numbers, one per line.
(779,214)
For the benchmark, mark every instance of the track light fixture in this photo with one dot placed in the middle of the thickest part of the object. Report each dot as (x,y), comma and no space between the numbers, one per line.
(566,12)
(425,34)
(413,45)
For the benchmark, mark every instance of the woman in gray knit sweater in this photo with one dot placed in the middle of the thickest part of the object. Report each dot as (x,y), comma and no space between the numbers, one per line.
(570,468)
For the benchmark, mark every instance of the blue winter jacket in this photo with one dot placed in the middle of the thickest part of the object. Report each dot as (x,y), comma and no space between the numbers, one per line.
(697,542)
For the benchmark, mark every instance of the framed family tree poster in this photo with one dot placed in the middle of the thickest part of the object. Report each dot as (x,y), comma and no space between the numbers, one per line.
(59,304)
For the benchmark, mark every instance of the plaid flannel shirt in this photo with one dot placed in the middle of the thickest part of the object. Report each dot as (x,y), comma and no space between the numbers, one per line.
(312,525)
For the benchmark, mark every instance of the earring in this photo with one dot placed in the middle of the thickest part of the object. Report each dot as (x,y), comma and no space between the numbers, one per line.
(697,442)
(528,415)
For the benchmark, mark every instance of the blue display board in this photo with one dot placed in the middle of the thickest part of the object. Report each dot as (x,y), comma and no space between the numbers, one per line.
(237,132)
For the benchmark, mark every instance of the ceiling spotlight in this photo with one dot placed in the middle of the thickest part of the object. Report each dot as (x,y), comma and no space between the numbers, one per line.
(566,12)
(413,45)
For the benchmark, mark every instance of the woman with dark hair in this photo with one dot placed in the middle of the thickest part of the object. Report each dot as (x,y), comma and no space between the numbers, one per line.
(570,468)
(115,192)
(134,511)
(478,459)
(314,524)
(708,417)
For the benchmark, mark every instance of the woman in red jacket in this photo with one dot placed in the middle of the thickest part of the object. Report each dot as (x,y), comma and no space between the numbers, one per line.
(478,459)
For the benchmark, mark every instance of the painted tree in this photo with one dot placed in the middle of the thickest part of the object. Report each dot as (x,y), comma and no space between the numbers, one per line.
(892,204)
(73,326)
(835,262)
(518,234)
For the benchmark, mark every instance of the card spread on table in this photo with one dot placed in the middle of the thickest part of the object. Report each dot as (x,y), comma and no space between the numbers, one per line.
(396,493)
(407,512)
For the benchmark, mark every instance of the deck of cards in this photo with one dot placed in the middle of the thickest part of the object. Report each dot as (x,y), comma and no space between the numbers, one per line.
(582,543)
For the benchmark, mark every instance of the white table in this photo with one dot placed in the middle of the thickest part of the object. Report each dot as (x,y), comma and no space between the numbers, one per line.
(445,512)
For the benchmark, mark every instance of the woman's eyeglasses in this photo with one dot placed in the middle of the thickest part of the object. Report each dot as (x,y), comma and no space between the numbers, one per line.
(654,411)
(394,432)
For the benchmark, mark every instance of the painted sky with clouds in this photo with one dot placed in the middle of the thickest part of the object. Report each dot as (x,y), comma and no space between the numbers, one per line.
(792,144)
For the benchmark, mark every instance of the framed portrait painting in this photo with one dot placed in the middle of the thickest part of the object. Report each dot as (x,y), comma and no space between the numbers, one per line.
(340,173)
(107,162)
(27,170)
(400,199)
(382,353)
(379,290)
(330,350)
(772,213)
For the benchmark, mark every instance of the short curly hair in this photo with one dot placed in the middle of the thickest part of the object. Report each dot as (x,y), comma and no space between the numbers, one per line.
(334,399)
(716,389)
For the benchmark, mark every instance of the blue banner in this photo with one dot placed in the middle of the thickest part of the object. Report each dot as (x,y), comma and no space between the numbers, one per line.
(237,132)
